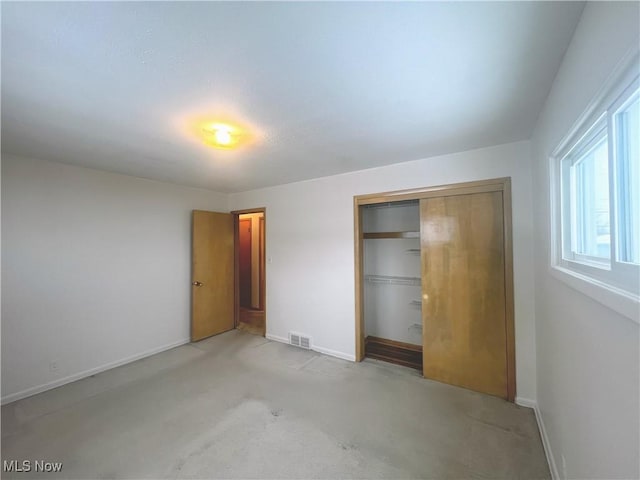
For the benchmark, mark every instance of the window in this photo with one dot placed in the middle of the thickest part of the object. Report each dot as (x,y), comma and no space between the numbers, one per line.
(585,183)
(627,131)
(596,171)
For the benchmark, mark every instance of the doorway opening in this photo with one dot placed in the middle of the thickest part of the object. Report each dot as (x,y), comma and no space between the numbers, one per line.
(250,270)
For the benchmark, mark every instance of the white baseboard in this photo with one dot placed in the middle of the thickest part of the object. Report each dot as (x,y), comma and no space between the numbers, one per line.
(276,338)
(315,348)
(547,445)
(527,402)
(334,353)
(12,397)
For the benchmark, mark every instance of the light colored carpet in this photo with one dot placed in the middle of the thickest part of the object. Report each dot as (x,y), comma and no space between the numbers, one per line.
(240,406)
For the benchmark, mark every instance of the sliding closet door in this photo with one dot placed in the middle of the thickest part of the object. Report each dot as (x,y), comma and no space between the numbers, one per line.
(463,291)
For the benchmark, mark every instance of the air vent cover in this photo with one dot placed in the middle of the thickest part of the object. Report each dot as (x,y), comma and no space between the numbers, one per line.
(300,340)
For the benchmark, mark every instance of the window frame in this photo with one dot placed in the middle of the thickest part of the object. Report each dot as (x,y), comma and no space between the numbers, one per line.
(584,145)
(626,98)
(611,282)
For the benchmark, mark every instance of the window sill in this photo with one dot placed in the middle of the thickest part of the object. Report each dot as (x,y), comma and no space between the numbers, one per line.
(620,301)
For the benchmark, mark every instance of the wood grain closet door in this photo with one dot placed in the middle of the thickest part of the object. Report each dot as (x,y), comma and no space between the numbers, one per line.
(463,290)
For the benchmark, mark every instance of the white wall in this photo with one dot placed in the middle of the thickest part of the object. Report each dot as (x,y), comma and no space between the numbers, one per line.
(310,279)
(95,270)
(588,363)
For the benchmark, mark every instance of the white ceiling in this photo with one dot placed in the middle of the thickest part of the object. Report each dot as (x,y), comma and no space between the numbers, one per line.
(326,87)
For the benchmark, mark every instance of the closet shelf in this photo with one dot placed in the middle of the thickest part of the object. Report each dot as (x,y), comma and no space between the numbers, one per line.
(374,235)
(393,280)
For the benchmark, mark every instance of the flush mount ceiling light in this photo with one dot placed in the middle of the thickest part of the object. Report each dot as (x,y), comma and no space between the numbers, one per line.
(222,135)
(220,130)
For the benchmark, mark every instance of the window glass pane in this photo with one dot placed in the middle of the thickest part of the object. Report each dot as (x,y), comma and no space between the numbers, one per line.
(590,202)
(627,123)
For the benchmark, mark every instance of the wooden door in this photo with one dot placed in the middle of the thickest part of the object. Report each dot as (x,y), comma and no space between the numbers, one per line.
(212,274)
(244,237)
(463,290)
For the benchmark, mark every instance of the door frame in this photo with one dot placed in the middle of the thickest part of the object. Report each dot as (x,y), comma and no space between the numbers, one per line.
(491,185)
(236,263)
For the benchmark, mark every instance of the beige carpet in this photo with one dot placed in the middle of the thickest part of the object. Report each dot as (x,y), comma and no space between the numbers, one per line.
(240,406)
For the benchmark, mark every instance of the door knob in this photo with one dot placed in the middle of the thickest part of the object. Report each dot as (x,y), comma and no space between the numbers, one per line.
(197,284)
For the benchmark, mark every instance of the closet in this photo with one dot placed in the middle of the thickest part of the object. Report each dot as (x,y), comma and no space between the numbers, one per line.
(434,283)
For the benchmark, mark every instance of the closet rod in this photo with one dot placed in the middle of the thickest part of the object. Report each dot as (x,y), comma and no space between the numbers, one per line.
(393,280)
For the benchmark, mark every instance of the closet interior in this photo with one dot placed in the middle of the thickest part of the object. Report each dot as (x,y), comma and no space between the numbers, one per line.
(392,282)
